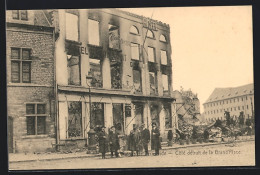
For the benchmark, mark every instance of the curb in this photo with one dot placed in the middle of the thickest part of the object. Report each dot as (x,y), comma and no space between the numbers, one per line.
(165,148)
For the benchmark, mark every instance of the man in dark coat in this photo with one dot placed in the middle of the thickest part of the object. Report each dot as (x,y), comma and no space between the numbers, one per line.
(114,142)
(134,141)
(102,139)
(155,141)
(145,136)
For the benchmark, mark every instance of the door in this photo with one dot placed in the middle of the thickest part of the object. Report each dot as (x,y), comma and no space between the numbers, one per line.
(10,134)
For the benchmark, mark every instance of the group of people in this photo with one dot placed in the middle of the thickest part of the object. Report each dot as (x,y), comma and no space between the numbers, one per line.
(138,140)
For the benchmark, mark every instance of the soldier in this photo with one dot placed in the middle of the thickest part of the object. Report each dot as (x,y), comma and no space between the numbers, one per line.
(114,142)
(102,139)
(145,136)
(155,141)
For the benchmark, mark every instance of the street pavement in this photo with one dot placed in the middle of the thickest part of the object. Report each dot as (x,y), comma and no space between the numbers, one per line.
(232,154)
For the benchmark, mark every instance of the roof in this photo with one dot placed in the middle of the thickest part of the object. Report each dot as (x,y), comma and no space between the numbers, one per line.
(231,92)
(41,18)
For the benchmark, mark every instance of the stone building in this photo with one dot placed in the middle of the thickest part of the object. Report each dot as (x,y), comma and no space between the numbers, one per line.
(118,62)
(30,81)
(234,100)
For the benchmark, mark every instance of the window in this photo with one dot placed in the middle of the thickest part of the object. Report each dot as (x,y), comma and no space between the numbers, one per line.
(114,37)
(154,112)
(72,28)
(230,109)
(20,14)
(36,119)
(139,118)
(234,100)
(242,107)
(137,80)
(134,30)
(230,101)
(151,54)
(164,57)
(135,51)
(75,119)
(93,32)
(162,38)
(242,98)
(20,65)
(96,72)
(227,101)
(246,106)
(246,97)
(97,110)
(235,108)
(153,83)
(238,107)
(168,117)
(73,69)
(165,84)
(118,117)
(237,99)
(115,67)
(149,34)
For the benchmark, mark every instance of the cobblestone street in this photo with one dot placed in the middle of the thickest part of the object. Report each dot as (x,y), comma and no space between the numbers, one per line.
(233,154)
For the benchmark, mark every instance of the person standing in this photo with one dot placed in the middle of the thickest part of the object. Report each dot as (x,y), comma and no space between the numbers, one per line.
(145,136)
(155,141)
(134,141)
(114,142)
(102,139)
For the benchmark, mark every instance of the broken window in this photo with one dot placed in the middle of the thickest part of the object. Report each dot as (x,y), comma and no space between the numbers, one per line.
(74,119)
(168,117)
(36,119)
(150,34)
(134,30)
(151,54)
(114,37)
(118,117)
(139,118)
(73,69)
(116,75)
(97,114)
(135,51)
(128,110)
(96,72)
(163,57)
(162,38)
(153,83)
(165,84)
(72,29)
(93,32)
(154,110)
(137,80)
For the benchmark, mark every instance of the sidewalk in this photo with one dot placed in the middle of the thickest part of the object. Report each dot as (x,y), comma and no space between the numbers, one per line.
(21,157)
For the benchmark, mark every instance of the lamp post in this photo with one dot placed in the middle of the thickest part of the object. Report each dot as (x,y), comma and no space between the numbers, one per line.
(91,133)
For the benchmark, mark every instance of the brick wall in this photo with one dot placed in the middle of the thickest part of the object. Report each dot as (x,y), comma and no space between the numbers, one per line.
(39,90)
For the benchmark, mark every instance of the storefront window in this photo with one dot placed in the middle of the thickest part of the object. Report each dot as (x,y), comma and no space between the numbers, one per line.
(97,110)
(118,117)
(74,119)
(139,118)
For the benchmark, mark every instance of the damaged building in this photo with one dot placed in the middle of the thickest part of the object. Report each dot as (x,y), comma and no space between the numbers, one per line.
(87,68)
(113,69)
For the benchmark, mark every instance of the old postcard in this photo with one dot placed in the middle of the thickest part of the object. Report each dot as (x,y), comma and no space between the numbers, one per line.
(130,88)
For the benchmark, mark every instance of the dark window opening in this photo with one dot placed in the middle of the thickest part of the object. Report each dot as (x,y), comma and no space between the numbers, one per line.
(137,79)
(139,118)
(114,37)
(154,109)
(75,119)
(96,72)
(153,83)
(15,14)
(118,117)
(168,116)
(97,110)
(24,15)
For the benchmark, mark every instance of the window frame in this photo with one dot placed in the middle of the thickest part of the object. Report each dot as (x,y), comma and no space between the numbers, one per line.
(154,54)
(153,36)
(133,26)
(164,38)
(21,62)
(36,115)
(20,15)
(99,32)
(132,43)
(78,27)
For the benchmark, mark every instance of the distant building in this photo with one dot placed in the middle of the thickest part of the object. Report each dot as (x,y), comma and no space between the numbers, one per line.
(234,100)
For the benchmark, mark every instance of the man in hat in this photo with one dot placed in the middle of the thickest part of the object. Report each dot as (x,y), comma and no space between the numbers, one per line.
(145,136)
(134,140)
(155,141)
(114,142)
(102,139)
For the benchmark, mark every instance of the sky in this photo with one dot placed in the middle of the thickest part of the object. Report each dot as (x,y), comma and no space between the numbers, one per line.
(212,47)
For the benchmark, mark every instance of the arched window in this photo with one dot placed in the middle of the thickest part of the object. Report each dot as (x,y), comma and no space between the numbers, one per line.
(150,34)
(134,30)
(163,38)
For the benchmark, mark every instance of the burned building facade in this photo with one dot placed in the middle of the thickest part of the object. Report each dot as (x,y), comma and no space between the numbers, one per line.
(113,68)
